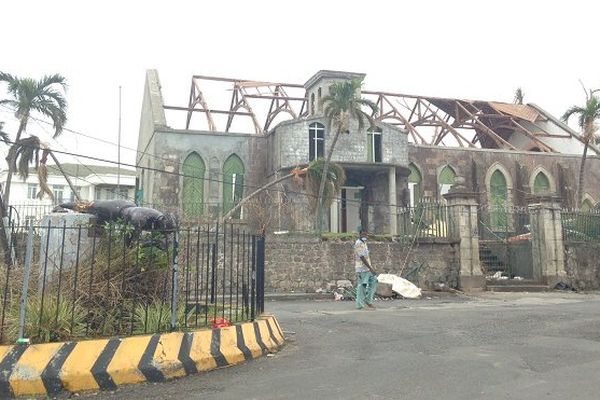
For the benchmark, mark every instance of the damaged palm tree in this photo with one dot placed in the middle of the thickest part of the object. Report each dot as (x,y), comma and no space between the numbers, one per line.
(44,97)
(342,105)
(587,115)
(309,176)
(25,153)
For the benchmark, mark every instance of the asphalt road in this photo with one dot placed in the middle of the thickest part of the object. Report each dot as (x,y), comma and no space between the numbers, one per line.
(492,346)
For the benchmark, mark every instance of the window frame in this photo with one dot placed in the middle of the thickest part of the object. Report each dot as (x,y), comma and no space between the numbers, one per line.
(316,141)
(33,186)
(375,145)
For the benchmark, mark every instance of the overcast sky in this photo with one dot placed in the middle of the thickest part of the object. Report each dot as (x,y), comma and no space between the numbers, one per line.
(463,49)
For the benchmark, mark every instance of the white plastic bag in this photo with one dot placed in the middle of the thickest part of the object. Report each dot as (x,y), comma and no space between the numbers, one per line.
(400,285)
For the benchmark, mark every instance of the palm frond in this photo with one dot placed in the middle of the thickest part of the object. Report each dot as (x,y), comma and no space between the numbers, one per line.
(3,135)
(45,96)
(336,177)
(22,154)
(42,173)
(570,112)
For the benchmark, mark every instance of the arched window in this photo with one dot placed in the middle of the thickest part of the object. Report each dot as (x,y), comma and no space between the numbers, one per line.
(498,200)
(192,195)
(414,185)
(319,104)
(541,184)
(446,180)
(374,151)
(316,141)
(587,205)
(233,184)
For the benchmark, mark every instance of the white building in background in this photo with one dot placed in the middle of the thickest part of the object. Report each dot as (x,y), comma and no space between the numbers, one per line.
(93,182)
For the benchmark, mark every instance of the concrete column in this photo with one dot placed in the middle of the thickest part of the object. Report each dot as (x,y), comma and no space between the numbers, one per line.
(463,217)
(547,242)
(392,200)
(334,220)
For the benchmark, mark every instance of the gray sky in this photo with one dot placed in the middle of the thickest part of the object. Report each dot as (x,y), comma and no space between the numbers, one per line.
(463,49)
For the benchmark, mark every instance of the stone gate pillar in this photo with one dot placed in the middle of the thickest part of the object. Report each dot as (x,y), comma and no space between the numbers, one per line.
(547,243)
(463,205)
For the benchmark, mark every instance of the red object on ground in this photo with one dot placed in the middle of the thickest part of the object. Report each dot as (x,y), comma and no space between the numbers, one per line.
(220,322)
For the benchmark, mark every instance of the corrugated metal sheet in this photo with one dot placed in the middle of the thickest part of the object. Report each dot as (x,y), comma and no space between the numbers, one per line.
(516,110)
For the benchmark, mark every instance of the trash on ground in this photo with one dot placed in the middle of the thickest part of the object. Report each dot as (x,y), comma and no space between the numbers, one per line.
(564,286)
(220,322)
(400,285)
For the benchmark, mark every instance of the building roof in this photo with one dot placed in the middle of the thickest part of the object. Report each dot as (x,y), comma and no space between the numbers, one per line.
(81,171)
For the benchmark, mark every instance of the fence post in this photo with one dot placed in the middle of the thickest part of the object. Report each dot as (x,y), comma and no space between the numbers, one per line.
(463,210)
(260,274)
(174,281)
(547,241)
(26,275)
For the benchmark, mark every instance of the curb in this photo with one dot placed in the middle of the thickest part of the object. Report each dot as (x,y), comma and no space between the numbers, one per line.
(105,364)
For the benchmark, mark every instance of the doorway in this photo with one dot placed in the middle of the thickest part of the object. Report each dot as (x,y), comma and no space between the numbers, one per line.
(350,208)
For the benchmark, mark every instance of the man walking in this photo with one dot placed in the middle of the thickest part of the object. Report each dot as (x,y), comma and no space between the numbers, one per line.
(366,281)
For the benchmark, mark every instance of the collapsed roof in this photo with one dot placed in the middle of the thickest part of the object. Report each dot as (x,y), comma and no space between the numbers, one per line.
(256,107)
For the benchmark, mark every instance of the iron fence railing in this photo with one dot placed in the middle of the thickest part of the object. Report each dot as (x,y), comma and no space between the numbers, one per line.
(580,226)
(426,220)
(69,282)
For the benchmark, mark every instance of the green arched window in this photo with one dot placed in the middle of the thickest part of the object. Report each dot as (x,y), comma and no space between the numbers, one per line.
(192,197)
(499,200)
(233,184)
(541,184)
(446,180)
(587,205)
(414,185)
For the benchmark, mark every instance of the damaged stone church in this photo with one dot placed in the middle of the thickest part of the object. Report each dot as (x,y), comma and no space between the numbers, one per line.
(462,191)
(212,157)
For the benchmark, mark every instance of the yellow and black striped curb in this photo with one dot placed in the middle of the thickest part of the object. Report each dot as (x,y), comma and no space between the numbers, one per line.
(51,368)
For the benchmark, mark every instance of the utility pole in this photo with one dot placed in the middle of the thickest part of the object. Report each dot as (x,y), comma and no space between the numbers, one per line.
(119,149)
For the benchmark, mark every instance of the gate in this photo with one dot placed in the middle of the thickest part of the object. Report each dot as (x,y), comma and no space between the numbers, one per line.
(505,242)
(80,281)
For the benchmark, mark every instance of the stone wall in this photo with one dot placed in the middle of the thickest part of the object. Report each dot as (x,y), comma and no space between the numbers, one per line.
(582,265)
(303,263)
(474,165)
(289,146)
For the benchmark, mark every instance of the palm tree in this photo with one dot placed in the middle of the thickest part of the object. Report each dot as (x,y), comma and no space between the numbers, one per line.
(45,97)
(340,106)
(310,174)
(519,96)
(587,116)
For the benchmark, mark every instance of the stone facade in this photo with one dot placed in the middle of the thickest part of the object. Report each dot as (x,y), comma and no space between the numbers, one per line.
(303,263)
(474,165)
(582,265)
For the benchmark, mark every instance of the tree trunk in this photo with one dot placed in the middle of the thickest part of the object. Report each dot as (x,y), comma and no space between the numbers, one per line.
(66,177)
(581,169)
(4,202)
(10,172)
(324,179)
(251,195)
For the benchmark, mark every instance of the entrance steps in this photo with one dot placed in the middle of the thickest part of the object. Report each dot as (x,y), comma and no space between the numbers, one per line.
(515,285)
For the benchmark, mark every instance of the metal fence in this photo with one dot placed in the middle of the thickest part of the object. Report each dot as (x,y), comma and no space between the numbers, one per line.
(26,214)
(71,282)
(580,226)
(505,240)
(426,220)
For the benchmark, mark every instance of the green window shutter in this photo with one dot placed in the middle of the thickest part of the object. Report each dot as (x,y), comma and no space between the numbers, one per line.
(499,200)
(233,167)
(587,205)
(193,186)
(447,176)
(415,177)
(541,184)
